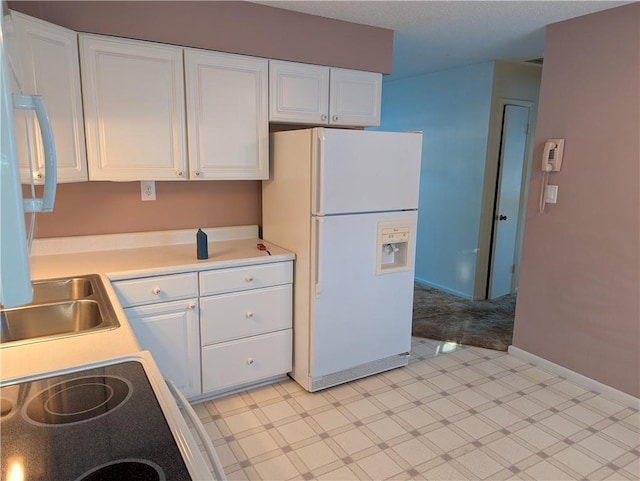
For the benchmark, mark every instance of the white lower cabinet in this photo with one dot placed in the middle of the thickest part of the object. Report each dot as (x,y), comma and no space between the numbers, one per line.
(215,330)
(170,331)
(245,325)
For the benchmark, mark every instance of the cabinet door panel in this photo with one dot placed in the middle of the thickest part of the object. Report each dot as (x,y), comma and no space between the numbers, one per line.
(170,332)
(355,97)
(299,93)
(227,116)
(134,109)
(50,68)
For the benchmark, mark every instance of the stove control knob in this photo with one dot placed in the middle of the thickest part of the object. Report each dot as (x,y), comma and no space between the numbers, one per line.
(156,291)
(249,314)
(249,360)
(249,278)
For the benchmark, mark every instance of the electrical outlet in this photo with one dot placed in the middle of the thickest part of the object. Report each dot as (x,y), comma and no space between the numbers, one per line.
(551,194)
(148,188)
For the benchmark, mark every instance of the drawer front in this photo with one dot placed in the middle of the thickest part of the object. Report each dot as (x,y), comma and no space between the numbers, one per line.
(150,290)
(235,363)
(249,277)
(247,313)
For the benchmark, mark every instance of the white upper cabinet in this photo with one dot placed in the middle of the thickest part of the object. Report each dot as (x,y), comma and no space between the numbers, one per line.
(227,118)
(355,97)
(298,93)
(133,94)
(312,94)
(45,57)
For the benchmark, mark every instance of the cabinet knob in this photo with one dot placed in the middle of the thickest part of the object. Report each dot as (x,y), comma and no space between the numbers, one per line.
(196,173)
(248,314)
(249,278)
(334,118)
(156,290)
(323,117)
(38,176)
(180,173)
(191,306)
(249,360)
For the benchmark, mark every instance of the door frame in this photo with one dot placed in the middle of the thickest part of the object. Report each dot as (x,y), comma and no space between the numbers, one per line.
(485,235)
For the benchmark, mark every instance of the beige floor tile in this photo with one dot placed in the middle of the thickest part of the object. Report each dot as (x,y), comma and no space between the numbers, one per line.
(480,464)
(296,431)
(474,427)
(501,416)
(416,417)
(330,419)
(362,408)
(576,460)
(278,468)
(242,422)
(561,425)
(601,447)
(510,450)
(379,466)
(545,471)
(280,410)
(257,444)
(442,472)
(316,455)
(446,439)
(419,390)
(264,393)
(353,441)
(623,434)
(414,452)
(537,437)
(310,401)
(392,399)
(386,429)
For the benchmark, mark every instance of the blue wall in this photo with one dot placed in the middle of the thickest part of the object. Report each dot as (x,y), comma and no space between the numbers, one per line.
(452,109)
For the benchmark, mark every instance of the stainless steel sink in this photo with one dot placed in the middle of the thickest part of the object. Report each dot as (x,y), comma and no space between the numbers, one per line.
(66,289)
(61,307)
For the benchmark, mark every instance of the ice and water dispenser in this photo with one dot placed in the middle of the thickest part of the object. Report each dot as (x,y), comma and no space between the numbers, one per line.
(393,252)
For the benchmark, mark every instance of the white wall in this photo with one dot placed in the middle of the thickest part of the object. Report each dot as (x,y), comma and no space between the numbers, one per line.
(452,108)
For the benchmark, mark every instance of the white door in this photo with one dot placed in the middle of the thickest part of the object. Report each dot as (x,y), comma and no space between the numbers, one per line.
(357,316)
(505,224)
(365,171)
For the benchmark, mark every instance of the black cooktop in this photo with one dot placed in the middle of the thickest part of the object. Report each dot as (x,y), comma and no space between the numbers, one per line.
(100,424)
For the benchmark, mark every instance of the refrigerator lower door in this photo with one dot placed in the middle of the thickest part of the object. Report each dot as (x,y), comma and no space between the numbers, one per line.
(360,319)
(357,171)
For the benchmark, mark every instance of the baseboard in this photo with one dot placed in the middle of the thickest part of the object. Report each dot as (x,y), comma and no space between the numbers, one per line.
(445,289)
(593,385)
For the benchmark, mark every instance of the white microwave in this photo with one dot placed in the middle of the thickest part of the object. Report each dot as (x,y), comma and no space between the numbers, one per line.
(15,276)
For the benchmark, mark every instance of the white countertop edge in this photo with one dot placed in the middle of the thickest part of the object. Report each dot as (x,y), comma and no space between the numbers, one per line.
(133,240)
(200,266)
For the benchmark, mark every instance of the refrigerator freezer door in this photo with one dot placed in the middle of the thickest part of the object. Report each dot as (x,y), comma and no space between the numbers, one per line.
(357,317)
(365,171)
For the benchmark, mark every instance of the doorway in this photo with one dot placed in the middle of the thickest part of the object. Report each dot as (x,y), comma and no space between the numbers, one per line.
(509,201)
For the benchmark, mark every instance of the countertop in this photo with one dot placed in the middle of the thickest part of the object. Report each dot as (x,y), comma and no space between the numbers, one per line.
(39,357)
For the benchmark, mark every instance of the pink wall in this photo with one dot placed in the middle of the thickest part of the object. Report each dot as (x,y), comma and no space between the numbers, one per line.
(238,27)
(579,292)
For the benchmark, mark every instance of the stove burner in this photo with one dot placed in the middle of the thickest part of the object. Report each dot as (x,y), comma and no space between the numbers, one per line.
(129,469)
(78,400)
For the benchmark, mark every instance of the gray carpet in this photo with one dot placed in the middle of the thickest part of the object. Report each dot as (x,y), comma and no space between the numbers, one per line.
(445,317)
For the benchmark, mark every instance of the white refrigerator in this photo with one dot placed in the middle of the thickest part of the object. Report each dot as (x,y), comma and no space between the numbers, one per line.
(345,202)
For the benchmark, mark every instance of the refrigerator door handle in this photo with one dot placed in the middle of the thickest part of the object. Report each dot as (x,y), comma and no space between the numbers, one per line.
(318,256)
(35,102)
(319,175)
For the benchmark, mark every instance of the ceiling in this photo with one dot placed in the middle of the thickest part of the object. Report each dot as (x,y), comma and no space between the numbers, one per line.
(436,35)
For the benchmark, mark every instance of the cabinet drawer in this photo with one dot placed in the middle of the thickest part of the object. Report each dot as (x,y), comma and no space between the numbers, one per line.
(241,278)
(235,363)
(149,290)
(241,314)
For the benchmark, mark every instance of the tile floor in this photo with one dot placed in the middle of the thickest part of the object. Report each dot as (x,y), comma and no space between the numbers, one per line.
(455,412)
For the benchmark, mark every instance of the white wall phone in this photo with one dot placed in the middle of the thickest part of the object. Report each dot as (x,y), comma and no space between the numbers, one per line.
(551,162)
(552,156)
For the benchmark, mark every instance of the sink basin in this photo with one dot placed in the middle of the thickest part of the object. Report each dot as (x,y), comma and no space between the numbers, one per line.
(60,308)
(61,289)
